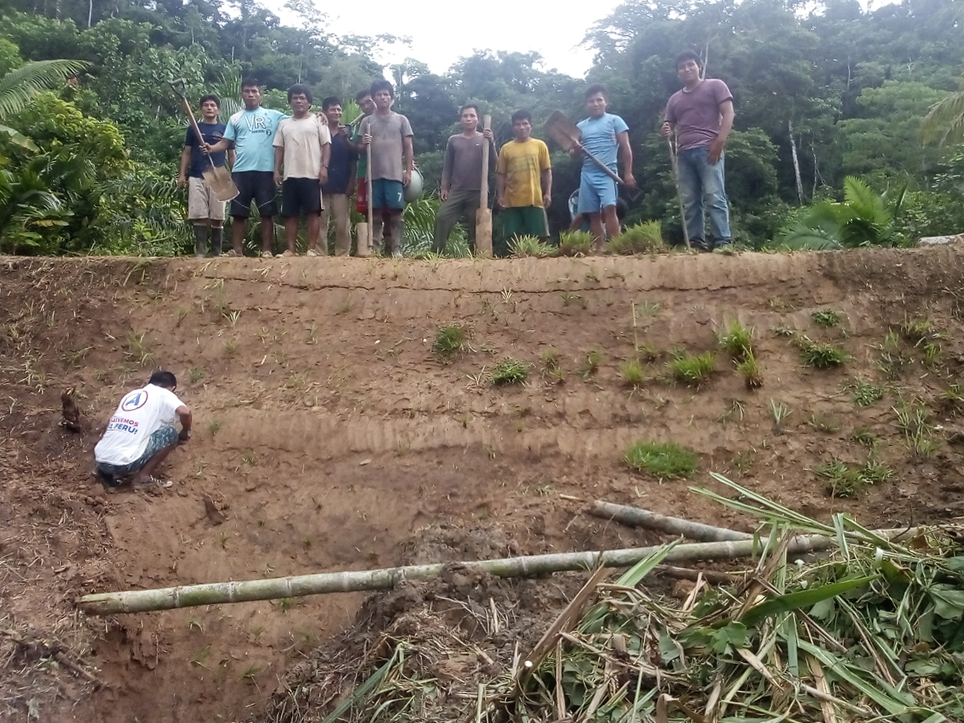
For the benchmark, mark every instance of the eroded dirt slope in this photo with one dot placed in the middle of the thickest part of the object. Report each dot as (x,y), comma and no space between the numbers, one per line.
(328,434)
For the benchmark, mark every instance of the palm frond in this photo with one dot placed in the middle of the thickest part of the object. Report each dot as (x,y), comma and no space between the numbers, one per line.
(18,86)
(18,138)
(944,121)
(799,236)
(865,202)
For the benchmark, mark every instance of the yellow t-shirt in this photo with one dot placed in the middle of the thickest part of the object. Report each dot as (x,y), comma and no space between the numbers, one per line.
(522,165)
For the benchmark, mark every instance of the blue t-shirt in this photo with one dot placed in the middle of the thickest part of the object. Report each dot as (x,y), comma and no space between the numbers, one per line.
(599,138)
(212,133)
(339,163)
(253,134)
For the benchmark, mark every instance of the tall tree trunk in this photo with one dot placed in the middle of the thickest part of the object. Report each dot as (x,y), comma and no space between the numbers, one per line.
(796,162)
(90,12)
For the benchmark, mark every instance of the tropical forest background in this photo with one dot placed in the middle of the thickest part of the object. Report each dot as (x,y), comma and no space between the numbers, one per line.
(848,122)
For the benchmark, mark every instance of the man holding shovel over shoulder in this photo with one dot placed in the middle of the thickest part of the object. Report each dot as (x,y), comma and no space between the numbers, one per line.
(462,178)
(605,136)
(204,210)
(702,114)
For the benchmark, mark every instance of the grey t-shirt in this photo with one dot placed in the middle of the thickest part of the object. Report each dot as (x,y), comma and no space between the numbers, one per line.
(697,113)
(388,134)
(462,170)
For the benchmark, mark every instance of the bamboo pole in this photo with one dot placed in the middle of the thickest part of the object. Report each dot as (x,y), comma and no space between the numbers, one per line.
(483,217)
(215,593)
(636,517)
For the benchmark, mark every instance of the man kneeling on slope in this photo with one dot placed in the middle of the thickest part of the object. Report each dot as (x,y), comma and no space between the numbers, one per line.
(141,433)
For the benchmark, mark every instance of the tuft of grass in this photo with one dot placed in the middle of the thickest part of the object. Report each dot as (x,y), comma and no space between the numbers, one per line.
(866,393)
(864,436)
(633,373)
(819,355)
(826,318)
(449,340)
(918,433)
(550,359)
(953,397)
(779,411)
(693,370)
(214,426)
(744,461)
(664,460)
(736,340)
(875,472)
(591,364)
(510,371)
(784,331)
(821,423)
(575,243)
(749,369)
(917,330)
(840,480)
(892,360)
(643,238)
(530,246)
(230,347)
(196,374)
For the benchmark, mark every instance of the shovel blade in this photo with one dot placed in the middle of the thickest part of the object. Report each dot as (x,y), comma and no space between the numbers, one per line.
(562,130)
(219,180)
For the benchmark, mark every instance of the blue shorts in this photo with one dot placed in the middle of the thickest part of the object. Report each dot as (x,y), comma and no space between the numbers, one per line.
(596,191)
(388,195)
(163,437)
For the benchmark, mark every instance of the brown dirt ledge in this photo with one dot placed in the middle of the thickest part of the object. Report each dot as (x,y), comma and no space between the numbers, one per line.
(329,437)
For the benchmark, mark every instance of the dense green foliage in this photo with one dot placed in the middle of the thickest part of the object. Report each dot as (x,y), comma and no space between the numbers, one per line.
(820,96)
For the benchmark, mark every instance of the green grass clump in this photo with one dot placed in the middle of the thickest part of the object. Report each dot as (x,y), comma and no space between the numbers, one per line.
(736,340)
(449,340)
(826,318)
(866,393)
(643,238)
(531,246)
(693,370)
(510,371)
(749,369)
(840,479)
(575,243)
(821,356)
(633,373)
(664,460)
(591,363)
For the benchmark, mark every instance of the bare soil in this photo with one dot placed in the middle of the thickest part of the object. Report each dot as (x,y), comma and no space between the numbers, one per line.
(328,436)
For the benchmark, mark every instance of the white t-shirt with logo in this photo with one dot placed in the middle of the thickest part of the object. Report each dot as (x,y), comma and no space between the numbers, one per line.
(139,414)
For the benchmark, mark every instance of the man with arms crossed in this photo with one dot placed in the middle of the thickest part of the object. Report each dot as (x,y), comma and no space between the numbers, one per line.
(462,178)
(390,135)
(204,210)
(523,181)
(252,132)
(141,433)
(606,136)
(702,113)
(301,145)
(341,165)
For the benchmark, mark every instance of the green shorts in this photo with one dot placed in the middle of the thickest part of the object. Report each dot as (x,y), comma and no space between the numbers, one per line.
(525,221)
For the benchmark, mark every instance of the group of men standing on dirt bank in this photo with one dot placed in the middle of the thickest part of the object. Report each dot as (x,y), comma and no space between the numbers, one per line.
(319,162)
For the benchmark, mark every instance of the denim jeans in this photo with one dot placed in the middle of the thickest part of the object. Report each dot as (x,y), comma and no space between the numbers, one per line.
(701,186)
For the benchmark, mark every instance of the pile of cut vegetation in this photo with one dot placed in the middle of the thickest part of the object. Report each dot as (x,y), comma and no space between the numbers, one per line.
(873,629)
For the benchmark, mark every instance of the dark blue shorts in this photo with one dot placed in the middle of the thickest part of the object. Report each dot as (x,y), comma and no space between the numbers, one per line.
(387,195)
(300,197)
(257,186)
(163,437)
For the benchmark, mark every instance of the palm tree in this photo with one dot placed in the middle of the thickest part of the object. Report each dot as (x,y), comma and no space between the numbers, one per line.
(945,120)
(18,86)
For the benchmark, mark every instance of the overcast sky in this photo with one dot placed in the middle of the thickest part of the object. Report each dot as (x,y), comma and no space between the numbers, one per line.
(442,31)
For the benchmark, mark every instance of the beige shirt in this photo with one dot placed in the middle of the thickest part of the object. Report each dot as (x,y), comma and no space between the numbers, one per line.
(302,140)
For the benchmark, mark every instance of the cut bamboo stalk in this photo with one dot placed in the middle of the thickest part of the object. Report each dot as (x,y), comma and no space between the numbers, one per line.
(483,216)
(637,517)
(216,593)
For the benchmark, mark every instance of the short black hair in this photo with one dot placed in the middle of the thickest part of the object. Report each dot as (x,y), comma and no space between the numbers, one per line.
(250,83)
(596,89)
(299,89)
(465,107)
(330,101)
(163,379)
(521,115)
(688,55)
(383,85)
(362,94)
(211,96)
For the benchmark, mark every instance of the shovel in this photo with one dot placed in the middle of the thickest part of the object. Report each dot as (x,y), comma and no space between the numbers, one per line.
(564,132)
(483,217)
(218,177)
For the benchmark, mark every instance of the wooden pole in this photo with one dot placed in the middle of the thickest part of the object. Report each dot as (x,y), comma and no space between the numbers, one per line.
(363,230)
(636,517)
(216,593)
(679,193)
(483,217)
